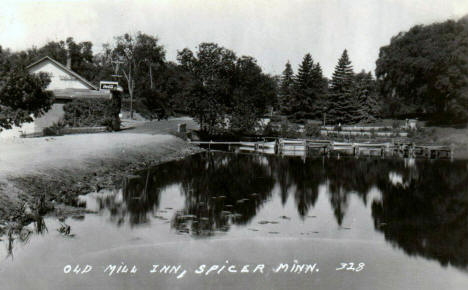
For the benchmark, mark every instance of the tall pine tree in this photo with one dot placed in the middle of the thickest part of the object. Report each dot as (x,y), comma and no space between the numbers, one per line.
(320,91)
(303,100)
(368,105)
(341,100)
(286,89)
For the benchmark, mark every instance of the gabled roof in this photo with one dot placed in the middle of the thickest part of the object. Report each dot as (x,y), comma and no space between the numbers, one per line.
(64,68)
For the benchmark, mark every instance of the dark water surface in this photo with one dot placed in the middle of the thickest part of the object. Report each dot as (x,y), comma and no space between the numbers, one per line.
(404,221)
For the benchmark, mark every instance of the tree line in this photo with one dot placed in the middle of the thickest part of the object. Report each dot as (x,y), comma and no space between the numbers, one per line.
(346,98)
(422,73)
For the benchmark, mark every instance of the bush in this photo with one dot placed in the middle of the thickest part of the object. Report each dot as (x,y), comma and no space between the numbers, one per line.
(288,130)
(271,130)
(150,108)
(396,124)
(49,131)
(312,130)
(92,113)
(277,118)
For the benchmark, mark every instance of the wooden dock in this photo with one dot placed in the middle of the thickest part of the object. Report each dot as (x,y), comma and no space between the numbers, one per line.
(325,147)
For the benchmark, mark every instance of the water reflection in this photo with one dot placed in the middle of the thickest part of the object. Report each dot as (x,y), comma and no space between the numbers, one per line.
(423,207)
(221,190)
(427,214)
(19,233)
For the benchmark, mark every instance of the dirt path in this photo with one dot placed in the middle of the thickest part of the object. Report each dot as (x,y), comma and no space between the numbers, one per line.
(159,127)
(34,155)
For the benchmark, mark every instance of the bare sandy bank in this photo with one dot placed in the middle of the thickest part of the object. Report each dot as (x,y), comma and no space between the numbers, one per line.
(38,155)
(58,169)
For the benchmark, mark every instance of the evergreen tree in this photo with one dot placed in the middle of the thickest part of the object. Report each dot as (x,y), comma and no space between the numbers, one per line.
(320,91)
(302,102)
(341,102)
(286,89)
(366,97)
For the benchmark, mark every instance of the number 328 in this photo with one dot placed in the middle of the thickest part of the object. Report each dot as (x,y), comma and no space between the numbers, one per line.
(351,267)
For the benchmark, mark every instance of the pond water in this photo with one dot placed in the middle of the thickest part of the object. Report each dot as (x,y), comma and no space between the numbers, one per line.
(396,223)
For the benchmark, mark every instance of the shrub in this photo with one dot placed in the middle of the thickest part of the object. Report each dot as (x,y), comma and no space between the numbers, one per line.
(396,124)
(49,131)
(92,113)
(54,130)
(312,130)
(271,130)
(277,118)
(288,130)
(154,104)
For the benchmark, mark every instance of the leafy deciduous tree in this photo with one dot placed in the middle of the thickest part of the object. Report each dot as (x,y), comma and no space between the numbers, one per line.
(425,70)
(137,54)
(22,97)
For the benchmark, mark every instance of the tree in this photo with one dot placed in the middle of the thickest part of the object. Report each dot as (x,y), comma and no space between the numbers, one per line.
(320,87)
(225,90)
(286,89)
(170,84)
(157,103)
(253,93)
(211,90)
(341,102)
(367,101)
(104,66)
(302,103)
(22,97)
(303,97)
(80,55)
(424,71)
(137,54)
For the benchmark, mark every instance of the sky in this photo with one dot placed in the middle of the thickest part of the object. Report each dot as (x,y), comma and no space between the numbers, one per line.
(272,31)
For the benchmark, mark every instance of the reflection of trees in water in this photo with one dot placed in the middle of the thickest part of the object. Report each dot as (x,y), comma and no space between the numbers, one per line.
(280,167)
(428,214)
(219,189)
(140,194)
(424,213)
(357,176)
(222,189)
(304,177)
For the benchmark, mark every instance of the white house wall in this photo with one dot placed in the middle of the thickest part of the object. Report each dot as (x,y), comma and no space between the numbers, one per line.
(16,132)
(59,79)
(50,118)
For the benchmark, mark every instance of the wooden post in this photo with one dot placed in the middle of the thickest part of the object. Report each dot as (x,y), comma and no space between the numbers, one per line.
(451,152)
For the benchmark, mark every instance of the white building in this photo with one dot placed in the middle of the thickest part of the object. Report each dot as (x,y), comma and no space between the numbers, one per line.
(66,85)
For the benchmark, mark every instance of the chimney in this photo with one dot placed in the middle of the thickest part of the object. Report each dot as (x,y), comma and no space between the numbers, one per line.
(68,60)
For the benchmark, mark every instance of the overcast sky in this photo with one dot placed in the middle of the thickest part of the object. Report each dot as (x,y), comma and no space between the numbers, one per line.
(272,31)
